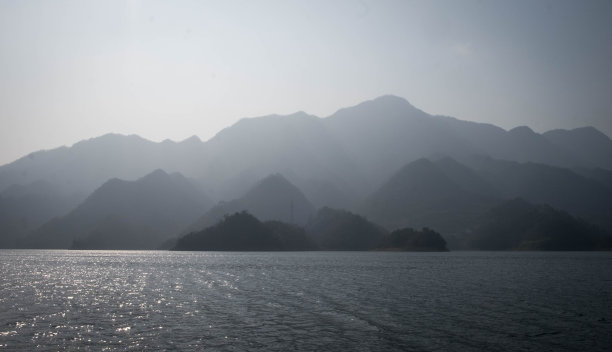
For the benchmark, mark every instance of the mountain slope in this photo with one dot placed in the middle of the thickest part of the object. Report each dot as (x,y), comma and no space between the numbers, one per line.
(543,184)
(421,195)
(603,176)
(386,132)
(126,215)
(26,207)
(298,146)
(335,161)
(341,230)
(587,143)
(88,164)
(519,225)
(272,198)
(465,177)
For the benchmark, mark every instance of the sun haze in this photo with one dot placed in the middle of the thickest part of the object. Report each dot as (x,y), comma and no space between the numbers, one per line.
(71,70)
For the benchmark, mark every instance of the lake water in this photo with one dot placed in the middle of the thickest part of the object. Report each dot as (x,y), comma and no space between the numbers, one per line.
(318,301)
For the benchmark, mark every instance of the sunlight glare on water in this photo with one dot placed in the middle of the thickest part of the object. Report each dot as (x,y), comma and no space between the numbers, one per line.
(362,301)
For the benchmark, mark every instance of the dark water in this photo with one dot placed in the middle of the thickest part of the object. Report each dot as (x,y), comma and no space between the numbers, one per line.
(470,301)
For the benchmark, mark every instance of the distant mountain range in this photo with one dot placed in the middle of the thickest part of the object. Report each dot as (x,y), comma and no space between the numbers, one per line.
(449,196)
(446,197)
(125,215)
(335,160)
(23,208)
(330,230)
(383,159)
(519,225)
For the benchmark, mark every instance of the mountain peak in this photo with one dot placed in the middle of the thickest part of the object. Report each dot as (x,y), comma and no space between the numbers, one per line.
(274,178)
(157,174)
(522,130)
(388,101)
(588,143)
(390,98)
(274,184)
(275,198)
(420,175)
(383,105)
(113,140)
(585,132)
(192,140)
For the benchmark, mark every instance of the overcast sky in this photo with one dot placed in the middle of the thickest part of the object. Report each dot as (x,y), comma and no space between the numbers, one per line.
(71,70)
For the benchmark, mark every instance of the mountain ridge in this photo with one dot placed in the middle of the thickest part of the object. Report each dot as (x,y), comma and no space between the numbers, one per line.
(338,162)
(355,148)
(136,214)
(272,198)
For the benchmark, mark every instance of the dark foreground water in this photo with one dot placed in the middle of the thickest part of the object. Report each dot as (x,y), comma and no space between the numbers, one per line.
(323,301)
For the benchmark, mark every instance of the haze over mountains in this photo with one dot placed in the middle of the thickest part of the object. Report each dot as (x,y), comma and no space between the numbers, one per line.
(384,159)
(126,215)
(273,198)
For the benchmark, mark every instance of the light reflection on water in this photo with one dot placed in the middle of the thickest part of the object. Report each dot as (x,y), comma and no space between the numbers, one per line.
(362,301)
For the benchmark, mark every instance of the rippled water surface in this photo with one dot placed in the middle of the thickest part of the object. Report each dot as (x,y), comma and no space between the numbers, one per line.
(358,301)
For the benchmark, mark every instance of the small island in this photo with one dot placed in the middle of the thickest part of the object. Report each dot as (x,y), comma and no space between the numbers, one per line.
(409,239)
(330,230)
(244,232)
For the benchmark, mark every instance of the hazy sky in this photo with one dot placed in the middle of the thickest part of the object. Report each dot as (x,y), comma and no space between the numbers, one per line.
(71,70)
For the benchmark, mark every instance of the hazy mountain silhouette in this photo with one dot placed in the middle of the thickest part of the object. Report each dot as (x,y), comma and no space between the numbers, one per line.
(298,146)
(519,225)
(272,198)
(600,175)
(421,194)
(88,164)
(334,229)
(522,144)
(336,160)
(587,143)
(126,215)
(386,132)
(26,207)
(244,232)
(543,184)
(339,160)
(465,177)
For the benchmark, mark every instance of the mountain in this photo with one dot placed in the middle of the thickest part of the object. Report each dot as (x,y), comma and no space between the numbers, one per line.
(26,207)
(244,232)
(600,175)
(421,194)
(543,184)
(587,143)
(519,225)
(388,131)
(298,146)
(126,215)
(337,160)
(452,197)
(272,198)
(341,230)
(464,177)
(88,164)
